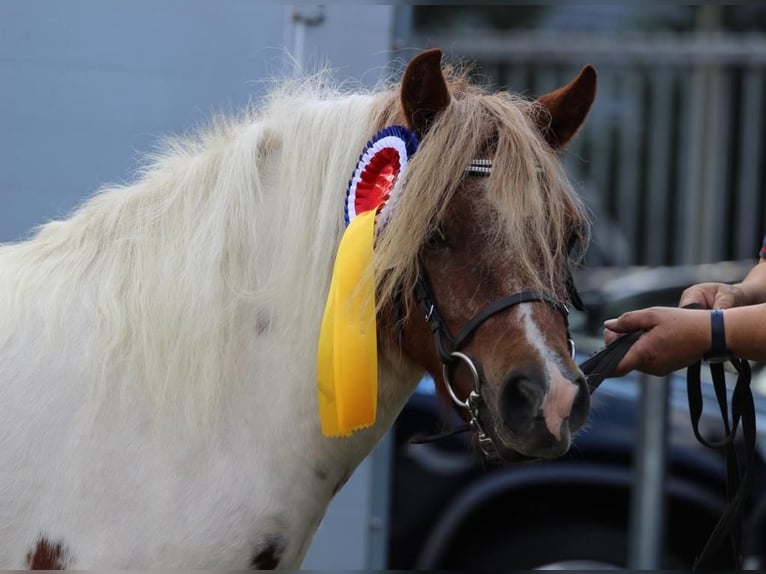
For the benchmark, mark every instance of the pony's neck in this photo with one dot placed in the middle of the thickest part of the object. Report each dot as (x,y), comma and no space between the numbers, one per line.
(299,225)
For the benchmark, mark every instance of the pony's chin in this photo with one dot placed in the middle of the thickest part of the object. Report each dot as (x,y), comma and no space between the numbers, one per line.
(520,451)
(509,455)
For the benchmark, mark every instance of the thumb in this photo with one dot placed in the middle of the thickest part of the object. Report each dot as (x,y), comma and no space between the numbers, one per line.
(630,321)
(724,299)
(695,295)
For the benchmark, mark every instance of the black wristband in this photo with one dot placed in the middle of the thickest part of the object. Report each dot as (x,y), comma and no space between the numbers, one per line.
(718,352)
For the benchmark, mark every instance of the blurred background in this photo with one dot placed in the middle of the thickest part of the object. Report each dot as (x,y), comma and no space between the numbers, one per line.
(670,161)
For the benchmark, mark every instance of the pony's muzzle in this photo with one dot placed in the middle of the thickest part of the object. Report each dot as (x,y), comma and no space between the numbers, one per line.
(541,413)
(581,404)
(521,400)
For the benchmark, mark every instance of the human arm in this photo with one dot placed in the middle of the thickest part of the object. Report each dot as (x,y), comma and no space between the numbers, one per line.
(674,338)
(750,291)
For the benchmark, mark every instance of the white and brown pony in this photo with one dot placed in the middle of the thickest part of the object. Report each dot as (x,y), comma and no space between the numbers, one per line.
(158,378)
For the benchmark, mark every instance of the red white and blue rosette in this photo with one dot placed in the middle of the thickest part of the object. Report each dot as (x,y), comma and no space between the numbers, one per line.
(379,168)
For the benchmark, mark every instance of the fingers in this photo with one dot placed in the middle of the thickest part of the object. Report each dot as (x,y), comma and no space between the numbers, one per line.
(712,296)
(726,298)
(611,336)
(622,369)
(631,361)
(671,339)
(643,357)
(626,323)
(631,321)
(702,295)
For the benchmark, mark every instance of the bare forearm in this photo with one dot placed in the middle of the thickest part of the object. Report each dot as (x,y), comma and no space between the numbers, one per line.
(754,284)
(746,332)
(673,338)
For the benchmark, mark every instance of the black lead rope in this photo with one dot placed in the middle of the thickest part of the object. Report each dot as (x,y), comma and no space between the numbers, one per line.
(601,365)
(738,477)
(440,436)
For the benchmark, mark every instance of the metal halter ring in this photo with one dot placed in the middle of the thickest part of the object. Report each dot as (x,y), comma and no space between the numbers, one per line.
(447,383)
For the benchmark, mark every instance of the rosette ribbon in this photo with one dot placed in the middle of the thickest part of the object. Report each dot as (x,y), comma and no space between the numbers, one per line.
(347,354)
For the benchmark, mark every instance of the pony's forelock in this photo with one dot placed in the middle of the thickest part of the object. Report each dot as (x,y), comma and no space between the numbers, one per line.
(527,178)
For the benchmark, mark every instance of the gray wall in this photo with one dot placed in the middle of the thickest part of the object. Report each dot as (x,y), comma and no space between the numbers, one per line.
(86,86)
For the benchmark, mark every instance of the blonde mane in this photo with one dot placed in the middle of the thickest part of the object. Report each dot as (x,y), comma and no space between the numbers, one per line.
(230,235)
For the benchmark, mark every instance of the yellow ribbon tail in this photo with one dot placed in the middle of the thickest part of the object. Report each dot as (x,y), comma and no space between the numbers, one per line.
(347,355)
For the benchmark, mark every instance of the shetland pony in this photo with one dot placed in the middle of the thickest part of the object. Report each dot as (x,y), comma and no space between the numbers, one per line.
(158,378)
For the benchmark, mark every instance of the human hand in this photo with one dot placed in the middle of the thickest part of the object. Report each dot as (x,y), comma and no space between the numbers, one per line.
(714,296)
(672,339)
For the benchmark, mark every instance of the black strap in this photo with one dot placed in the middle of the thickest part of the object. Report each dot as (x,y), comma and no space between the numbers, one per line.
(440,436)
(602,364)
(443,338)
(738,486)
(425,301)
(718,351)
(495,307)
(572,292)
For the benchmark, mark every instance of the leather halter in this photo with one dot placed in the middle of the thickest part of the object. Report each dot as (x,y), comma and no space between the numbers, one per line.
(448,347)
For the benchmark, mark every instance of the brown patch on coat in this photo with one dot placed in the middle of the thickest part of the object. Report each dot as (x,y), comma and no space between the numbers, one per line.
(320,473)
(262,323)
(269,555)
(47,556)
(341,483)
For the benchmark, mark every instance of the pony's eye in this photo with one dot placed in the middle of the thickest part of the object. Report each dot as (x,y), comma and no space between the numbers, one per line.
(575,242)
(437,239)
(572,241)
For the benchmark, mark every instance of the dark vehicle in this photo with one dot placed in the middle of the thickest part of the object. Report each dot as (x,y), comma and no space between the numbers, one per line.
(450,511)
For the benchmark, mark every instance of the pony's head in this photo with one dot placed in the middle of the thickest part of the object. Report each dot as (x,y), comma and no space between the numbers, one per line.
(473,262)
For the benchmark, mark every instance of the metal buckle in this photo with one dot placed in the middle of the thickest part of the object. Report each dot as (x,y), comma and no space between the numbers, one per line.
(447,383)
(471,404)
(486,445)
(430,313)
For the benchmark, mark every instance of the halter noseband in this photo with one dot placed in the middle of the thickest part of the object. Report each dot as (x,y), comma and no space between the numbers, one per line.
(448,348)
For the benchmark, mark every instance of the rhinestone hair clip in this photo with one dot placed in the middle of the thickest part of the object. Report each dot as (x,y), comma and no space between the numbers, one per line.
(480,167)
(484,167)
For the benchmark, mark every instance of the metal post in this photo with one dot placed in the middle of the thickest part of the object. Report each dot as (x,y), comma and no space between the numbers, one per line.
(380,492)
(647,512)
(304,17)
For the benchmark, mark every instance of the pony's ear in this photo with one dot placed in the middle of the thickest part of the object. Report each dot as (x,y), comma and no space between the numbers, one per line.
(424,91)
(567,108)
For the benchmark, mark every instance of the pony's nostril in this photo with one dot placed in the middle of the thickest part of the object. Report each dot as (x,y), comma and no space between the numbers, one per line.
(580,405)
(522,399)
